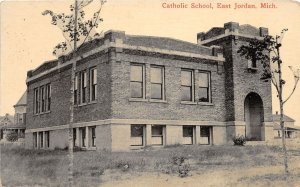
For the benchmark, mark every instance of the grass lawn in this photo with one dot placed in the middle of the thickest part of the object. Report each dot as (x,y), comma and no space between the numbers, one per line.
(259,165)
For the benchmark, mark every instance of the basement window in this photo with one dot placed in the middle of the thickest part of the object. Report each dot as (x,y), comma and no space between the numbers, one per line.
(137,135)
(188,135)
(157,132)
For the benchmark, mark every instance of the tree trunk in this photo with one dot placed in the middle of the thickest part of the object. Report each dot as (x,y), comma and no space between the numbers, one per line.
(281,112)
(73,70)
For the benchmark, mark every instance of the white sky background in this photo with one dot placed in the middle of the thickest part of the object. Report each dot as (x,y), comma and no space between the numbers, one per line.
(28,38)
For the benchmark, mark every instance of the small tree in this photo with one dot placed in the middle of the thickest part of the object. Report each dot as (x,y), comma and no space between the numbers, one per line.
(12,136)
(76,30)
(266,51)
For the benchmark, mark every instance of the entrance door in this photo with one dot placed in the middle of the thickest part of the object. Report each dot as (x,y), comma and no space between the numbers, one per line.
(254,116)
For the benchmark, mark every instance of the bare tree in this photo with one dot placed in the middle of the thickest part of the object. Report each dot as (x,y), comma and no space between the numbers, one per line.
(267,51)
(76,31)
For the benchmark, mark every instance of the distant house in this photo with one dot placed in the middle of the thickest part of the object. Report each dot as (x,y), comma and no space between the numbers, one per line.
(291,131)
(5,121)
(17,122)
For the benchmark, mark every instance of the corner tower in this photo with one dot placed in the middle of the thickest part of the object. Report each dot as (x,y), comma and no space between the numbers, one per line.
(248,99)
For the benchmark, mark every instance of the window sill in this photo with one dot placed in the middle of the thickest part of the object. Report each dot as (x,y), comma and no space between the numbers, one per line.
(252,69)
(205,104)
(41,113)
(188,103)
(136,147)
(157,101)
(85,104)
(91,149)
(45,112)
(137,100)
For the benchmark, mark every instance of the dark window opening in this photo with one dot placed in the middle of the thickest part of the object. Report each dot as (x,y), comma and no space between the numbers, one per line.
(93,132)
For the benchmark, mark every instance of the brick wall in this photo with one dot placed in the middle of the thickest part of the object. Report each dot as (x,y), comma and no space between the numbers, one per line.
(238,80)
(172,109)
(60,96)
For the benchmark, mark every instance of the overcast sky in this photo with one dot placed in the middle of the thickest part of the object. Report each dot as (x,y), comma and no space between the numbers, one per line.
(28,38)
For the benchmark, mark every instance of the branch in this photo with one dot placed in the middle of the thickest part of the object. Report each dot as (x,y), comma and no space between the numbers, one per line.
(82,5)
(98,13)
(274,82)
(295,85)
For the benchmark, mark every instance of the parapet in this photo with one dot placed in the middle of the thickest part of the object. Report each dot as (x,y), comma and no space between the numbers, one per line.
(231,28)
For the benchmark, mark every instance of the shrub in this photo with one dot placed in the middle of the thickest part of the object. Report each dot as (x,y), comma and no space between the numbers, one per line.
(123,165)
(239,140)
(12,136)
(178,164)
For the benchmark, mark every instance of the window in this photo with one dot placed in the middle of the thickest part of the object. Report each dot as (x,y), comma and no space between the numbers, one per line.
(47,139)
(205,135)
(157,82)
(187,85)
(42,99)
(48,97)
(83,86)
(75,89)
(93,132)
(137,81)
(82,136)
(188,135)
(41,139)
(43,104)
(93,84)
(252,64)
(35,143)
(204,87)
(74,137)
(157,134)
(20,118)
(137,135)
(36,101)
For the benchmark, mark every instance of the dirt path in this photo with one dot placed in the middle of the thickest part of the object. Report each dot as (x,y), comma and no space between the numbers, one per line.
(258,176)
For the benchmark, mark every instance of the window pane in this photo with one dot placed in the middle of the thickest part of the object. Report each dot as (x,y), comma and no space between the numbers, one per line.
(136,73)
(137,130)
(157,130)
(186,78)
(186,93)
(136,89)
(84,81)
(94,76)
(187,131)
(203,79)
(76,83)
(156,91)
(156,75)
(203,95)
(204,131)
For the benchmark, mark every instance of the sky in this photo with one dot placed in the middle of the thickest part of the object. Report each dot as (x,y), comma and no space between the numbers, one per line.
(28,38)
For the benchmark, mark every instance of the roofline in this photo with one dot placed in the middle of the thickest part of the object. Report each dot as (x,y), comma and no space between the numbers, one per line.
(118,43)
(231,33)
(53,60)
(19,105)
(175,39)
